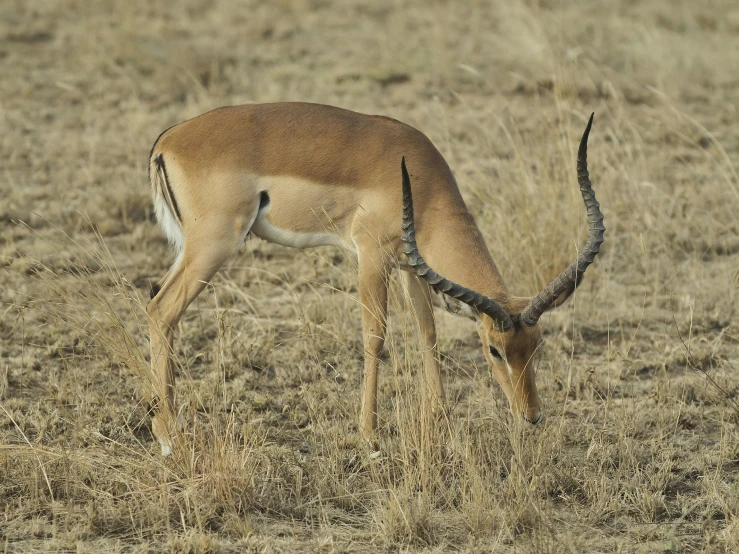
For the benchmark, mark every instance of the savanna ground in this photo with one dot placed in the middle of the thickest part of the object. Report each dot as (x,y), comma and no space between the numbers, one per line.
(639,450)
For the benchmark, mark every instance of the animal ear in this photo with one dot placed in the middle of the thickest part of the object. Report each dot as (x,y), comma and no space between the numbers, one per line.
(456,307)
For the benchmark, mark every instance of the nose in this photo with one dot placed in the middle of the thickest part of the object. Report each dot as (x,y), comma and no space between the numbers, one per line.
(535,419)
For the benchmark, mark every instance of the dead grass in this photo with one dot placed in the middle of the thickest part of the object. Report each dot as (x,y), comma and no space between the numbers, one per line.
(639,451)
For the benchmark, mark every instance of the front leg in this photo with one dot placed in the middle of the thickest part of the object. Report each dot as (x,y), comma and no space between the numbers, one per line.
(373,284)
(419,295)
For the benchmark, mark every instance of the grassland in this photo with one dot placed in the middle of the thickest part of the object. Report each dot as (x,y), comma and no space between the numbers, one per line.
(639,451)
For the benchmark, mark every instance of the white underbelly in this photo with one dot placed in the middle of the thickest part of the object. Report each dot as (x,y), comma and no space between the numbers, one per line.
(264,229)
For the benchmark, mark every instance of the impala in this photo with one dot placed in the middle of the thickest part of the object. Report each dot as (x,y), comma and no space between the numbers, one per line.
(304,175)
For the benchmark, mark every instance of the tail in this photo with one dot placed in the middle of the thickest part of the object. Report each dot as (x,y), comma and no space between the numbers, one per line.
(165,204)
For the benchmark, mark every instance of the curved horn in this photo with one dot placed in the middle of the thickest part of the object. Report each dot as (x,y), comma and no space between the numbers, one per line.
(568,278)
(478,301)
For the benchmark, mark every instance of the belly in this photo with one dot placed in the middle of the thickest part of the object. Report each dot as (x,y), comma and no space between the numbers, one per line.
(265,229)
(303,214)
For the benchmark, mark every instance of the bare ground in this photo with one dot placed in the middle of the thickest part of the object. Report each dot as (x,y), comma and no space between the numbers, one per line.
(640,448)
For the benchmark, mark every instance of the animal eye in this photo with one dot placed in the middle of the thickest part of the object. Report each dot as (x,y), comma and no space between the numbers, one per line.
(495,353)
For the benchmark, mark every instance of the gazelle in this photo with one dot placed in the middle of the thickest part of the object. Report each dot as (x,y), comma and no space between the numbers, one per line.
(304,175)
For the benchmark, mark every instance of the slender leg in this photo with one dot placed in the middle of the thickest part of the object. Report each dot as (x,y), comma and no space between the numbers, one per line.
(373,283)
(420,297)
(199,263)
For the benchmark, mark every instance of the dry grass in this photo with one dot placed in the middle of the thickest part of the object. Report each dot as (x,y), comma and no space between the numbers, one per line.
(640,448)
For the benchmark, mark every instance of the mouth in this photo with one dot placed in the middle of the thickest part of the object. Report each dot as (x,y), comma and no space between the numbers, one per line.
(533,421)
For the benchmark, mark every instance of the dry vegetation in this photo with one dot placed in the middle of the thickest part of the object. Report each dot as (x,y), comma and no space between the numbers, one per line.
(640,447)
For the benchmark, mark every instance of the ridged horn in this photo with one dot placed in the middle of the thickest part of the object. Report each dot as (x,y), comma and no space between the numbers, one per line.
(474,299)
(568,278)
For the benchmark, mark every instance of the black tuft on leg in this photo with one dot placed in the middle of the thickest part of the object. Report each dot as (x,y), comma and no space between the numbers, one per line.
(154,290)
(153,406)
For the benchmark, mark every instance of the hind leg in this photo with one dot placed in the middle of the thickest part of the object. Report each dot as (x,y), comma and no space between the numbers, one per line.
(202,257)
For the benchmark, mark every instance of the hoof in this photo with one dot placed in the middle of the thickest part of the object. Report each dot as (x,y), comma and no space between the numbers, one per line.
(166,449)
(163,434)
(381,453)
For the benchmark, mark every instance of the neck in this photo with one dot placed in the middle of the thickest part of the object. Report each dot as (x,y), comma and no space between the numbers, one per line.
(455,249)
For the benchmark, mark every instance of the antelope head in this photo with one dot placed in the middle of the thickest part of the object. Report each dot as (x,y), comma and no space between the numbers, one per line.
(509,327)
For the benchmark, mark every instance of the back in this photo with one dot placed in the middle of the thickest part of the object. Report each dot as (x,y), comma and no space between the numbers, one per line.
(325,144)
